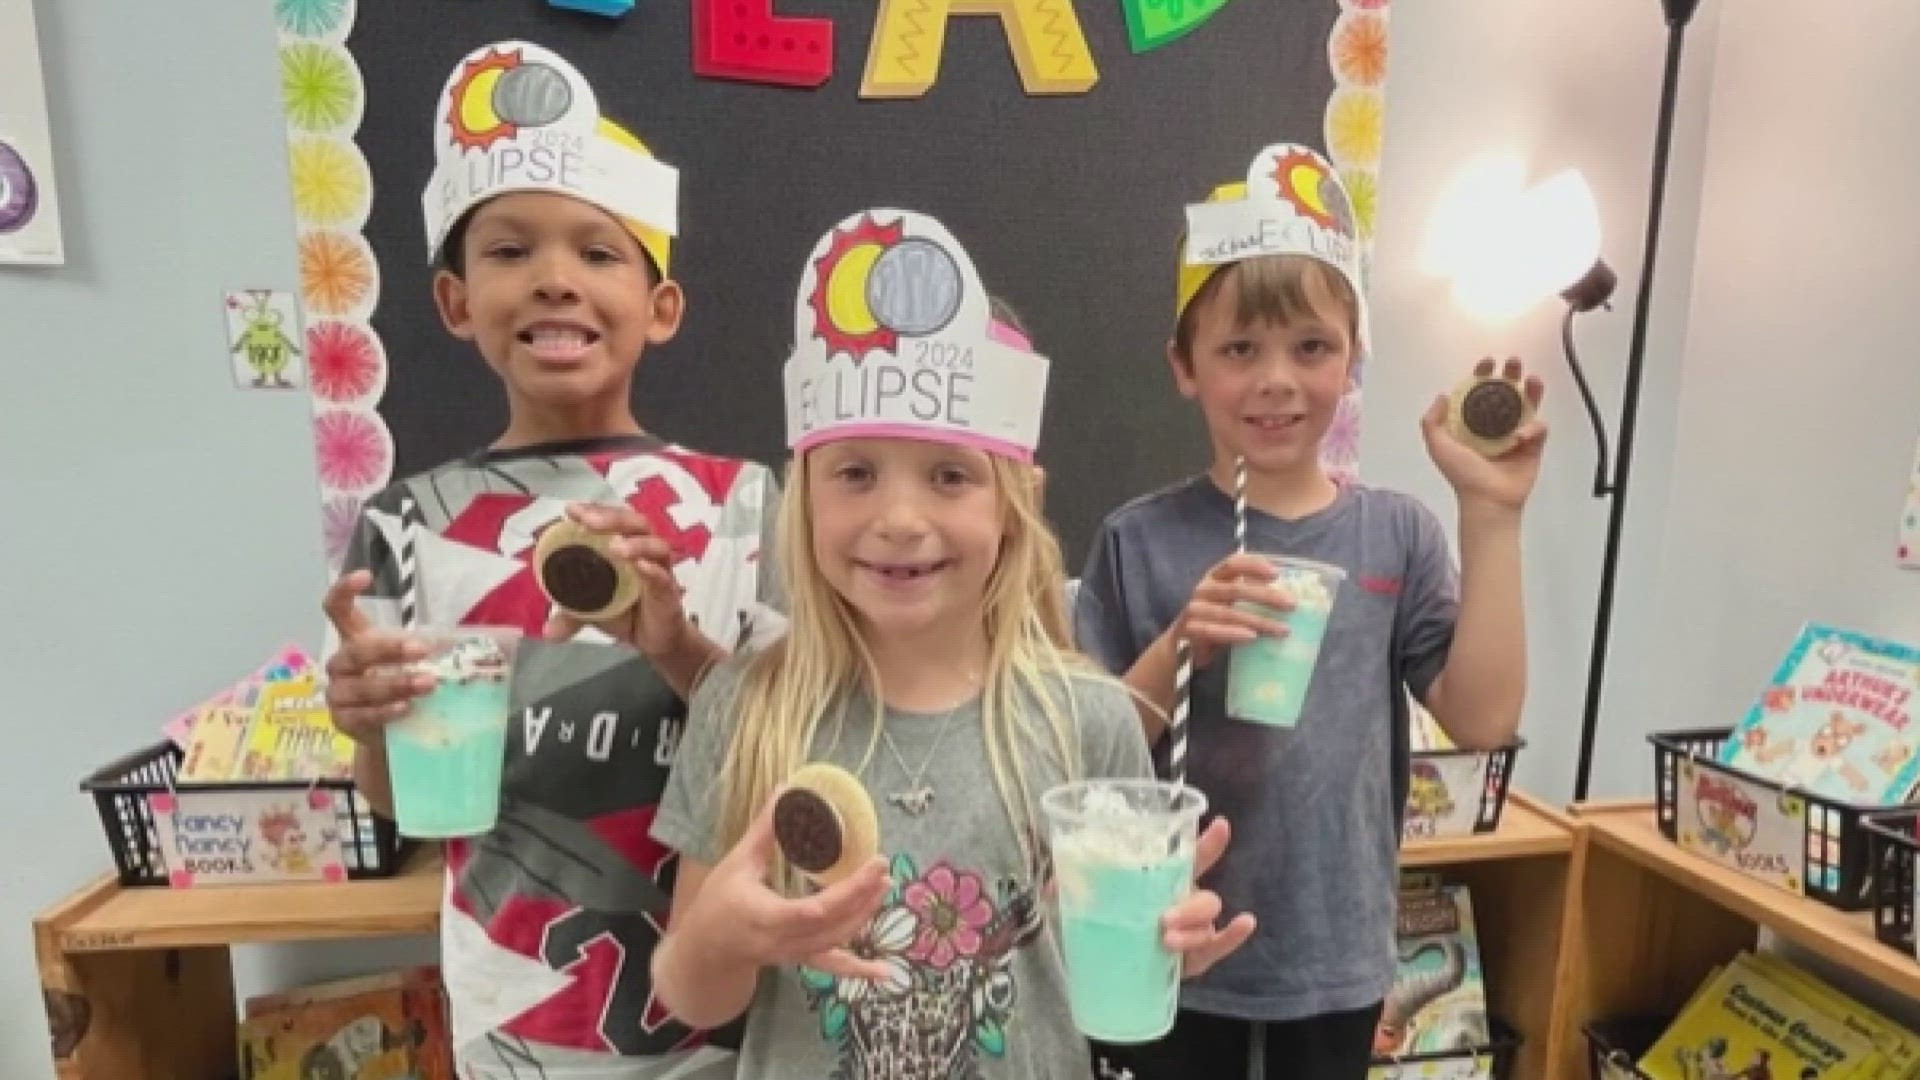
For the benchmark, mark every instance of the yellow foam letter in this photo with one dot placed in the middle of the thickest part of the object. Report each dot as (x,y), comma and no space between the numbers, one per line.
(1049,47)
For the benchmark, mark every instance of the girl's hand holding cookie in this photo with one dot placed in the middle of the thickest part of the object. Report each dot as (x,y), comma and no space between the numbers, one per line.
(736,914)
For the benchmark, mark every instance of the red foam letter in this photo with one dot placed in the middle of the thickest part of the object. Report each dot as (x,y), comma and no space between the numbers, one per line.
(743,40)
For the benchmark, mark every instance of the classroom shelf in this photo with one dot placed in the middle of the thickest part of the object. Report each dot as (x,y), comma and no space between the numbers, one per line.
(1652,920)
(1522,879)
(138,983)
(1580,916)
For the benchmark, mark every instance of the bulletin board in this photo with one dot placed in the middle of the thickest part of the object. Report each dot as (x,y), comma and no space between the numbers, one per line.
(1058,139)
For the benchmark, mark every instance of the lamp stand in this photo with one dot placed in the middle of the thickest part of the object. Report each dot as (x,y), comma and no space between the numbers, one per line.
(1678,14)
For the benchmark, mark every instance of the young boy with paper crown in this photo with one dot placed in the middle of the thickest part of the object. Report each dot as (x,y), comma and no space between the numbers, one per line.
(552,228)
(928,658)
(1272,328)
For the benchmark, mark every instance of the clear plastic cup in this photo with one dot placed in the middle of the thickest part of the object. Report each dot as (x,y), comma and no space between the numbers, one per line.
(1123,854)
(444,757)
(1268,678)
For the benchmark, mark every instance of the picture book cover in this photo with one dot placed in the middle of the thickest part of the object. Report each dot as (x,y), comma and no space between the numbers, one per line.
(1896,1044)
(1744,1024)
(292,736)
(1438,1002)
(213,748)
(291,662)
(1837,719)
(390,1027)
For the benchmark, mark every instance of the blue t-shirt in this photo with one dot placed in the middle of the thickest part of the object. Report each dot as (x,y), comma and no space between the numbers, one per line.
(1315,809)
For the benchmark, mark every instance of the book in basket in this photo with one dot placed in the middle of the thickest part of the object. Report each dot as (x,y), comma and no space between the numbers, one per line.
(1898,1046)
(1746,1024)
(1836,720)
(292,737)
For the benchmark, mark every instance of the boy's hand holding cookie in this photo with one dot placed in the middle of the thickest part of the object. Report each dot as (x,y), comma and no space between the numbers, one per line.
(602,566)
(1487,438)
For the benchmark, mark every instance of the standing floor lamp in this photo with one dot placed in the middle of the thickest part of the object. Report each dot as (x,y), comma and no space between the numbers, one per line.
(1553,238)
(1589,292)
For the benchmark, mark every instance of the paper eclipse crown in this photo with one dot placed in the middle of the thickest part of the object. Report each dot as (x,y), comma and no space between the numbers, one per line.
(514,116)
(1292,203)
(896,340)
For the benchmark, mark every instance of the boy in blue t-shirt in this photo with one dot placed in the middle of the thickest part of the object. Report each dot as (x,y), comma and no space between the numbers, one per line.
(1272,324)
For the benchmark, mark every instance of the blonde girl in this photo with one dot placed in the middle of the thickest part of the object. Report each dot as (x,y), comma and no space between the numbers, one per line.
(929,654)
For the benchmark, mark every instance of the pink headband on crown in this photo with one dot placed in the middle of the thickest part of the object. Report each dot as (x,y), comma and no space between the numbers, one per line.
(1009,336)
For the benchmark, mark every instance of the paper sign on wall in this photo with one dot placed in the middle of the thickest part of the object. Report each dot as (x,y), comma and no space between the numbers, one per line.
(29,205)
(1743,826)
(248,837)
(264,339)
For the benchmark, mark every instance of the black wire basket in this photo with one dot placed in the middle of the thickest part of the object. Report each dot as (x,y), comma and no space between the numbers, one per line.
(1832,865)
(1435,806)
(1616,1045)
(124,791)
(1498,1052)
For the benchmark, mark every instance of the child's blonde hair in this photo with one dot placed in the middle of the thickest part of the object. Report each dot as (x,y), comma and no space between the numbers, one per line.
(1275,289)
(789,689)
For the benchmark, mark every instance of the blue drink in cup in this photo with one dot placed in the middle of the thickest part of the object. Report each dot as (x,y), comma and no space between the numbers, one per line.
(444,757)
(1268,678)
(1123,855)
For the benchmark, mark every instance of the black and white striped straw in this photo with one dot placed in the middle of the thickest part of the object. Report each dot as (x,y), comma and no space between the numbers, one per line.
(411,526)
(1177,722)
(1240,505)
(1183,652)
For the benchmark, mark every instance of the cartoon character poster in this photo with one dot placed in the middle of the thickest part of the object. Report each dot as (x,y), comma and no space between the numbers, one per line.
(264,339)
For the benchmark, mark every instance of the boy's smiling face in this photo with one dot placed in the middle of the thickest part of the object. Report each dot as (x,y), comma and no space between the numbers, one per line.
(1268,386)
(559,298)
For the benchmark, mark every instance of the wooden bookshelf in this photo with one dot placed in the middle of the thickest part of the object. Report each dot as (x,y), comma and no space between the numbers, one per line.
(1522,878)
(1528,827)
(106,917)
(1652,920)
(139,982)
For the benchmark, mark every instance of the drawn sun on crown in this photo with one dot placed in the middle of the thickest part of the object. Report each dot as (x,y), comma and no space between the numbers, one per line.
(875,284)
(842,317)
(1303,181)
(499,93)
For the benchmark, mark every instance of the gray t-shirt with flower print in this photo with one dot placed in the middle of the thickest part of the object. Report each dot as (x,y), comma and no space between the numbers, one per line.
(979,988)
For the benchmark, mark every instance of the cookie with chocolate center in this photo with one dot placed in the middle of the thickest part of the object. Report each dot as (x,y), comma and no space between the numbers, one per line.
(578,571)
(825,823)
(1488,412)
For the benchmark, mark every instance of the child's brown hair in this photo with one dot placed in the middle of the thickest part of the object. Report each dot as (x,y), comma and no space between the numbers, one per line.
(1275,289)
